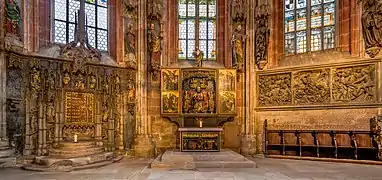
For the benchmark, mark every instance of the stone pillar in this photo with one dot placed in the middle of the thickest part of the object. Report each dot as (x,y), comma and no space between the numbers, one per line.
(143,145)
(248,145)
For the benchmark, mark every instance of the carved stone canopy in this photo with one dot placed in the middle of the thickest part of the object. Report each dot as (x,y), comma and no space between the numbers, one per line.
(80,49)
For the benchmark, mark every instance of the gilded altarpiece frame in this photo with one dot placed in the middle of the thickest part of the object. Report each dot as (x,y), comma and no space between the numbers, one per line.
(198,92)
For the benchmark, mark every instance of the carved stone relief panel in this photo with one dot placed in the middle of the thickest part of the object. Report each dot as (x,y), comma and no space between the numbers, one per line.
(354,84)
(275,90)
(311,87)
(371,22)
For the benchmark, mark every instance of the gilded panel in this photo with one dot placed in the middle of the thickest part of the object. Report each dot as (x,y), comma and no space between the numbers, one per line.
(354,84)
(199,91)
(79,107)
(311,87)
(170,91)
(227,91)
(274,90)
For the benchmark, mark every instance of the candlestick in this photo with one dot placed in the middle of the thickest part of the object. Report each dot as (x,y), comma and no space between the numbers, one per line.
(75,138)
(200,123)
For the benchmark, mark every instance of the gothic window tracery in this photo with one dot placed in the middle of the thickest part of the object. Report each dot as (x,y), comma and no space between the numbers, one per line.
(197,28)
(309,25)
(65,21)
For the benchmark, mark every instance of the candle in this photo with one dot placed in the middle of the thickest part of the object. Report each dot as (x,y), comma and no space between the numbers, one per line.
(75,138)
(200,123)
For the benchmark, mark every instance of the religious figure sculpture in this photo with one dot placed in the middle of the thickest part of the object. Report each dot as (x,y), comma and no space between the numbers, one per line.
(372,26)
(262,36)
(199,101)
(237,43)
(12,10)
(154,40)
(130,52)
(198,55)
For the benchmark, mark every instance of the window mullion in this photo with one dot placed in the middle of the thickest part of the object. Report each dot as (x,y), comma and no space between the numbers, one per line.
(295,27)
(67,21)
(96,24)
(322,25)
(308,26)
(187,37)
(197,23)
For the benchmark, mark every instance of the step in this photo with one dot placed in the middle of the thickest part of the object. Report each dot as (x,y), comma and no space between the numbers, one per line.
(76,152)
(6,153)
(225,164)
(76,161)
(71,145)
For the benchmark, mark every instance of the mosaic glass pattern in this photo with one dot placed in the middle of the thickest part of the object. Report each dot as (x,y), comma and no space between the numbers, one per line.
(196,29)
(315,40)
(309,25)
(290,43)
(66,18)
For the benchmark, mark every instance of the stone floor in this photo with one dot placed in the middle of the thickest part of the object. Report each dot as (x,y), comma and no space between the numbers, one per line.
(269,169)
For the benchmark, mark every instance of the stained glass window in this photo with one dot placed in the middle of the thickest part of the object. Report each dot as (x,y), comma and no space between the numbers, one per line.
(309,25)
(197,28)
(65,13)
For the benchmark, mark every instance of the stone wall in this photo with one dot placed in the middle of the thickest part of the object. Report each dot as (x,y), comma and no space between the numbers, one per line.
(336,96)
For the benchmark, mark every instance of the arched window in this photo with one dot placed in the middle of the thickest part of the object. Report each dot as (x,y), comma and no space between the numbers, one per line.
(65,13)
(309,25)
(197,28)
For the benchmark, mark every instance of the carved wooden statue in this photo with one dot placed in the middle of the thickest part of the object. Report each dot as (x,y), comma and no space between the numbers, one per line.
(12,10)
(154,40)
(372,26)
(237,43)
(198,55)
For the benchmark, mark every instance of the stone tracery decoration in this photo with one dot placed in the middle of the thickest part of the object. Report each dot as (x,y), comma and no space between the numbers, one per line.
(372,26)
(262,35)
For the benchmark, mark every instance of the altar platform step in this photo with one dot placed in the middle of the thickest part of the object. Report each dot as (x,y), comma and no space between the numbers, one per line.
(69,156)
(173,159)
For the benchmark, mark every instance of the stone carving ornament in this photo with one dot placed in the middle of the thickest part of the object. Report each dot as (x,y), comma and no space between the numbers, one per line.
(372,26)
(275,90)
(311,87)
(354,84)
(375,127)
(262,35)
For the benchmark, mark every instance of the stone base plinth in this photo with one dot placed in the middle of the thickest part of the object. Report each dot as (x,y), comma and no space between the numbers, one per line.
(70,156)
(6,155)
(248,147)
(143,146)
(174,159)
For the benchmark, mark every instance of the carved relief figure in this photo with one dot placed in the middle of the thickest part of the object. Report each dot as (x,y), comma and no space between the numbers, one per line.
(170,80)
(154,40)
(262,36)
(13,16)
(310,87)
(237,43)
(275,90)
(354,84)
(170,102)
(199,94)
(372,26)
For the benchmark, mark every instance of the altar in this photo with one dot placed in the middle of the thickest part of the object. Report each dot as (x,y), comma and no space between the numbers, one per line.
(199,100)
(200,139)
